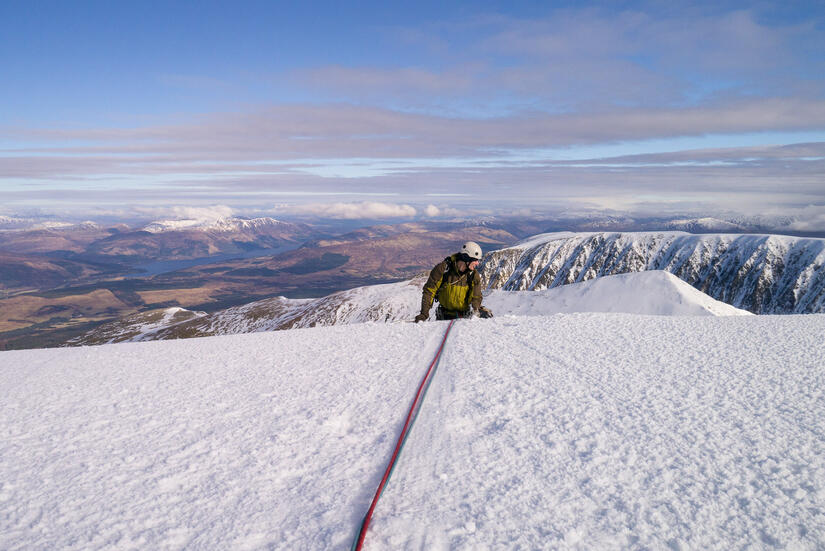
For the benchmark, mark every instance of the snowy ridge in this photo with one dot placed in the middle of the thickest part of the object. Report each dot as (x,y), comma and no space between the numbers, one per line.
(763,274)
(212,224)
(590,431)
(143,326)
(384,303)
(170,317)
(55,225)
(89,225)
(704,225)
(25,224)
(9,222)
(651,293)
(388,302)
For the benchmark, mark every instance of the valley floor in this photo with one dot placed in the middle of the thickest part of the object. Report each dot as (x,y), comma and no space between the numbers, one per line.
(582,431)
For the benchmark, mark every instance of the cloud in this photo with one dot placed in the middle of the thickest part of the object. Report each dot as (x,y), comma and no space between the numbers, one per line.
(355,211)
(476,112)
(370,81)
(745,179)
(798,153)
(282,139)
(572,60)
(807,219)
(433,211)
(186,212)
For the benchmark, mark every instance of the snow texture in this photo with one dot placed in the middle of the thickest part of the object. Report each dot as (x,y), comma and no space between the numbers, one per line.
(570,431)
(653,293)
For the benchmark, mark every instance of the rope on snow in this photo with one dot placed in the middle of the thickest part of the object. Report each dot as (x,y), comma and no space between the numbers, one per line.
(402,438)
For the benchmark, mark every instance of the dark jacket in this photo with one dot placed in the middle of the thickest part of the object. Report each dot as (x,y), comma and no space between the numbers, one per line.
(455,292)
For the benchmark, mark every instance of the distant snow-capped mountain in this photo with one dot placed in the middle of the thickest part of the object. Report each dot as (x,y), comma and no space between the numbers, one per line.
(651,293)
(140,327)
(86,226)
(219,225)
(186,239)
(30,224)
(764,274)
(10,222)
(704,225)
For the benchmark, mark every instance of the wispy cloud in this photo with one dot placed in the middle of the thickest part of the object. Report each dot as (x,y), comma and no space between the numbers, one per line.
(210,213)
(345,131)
(376,83)
(353,211)
(589,58)
(807,219)
(493,109)
(508,174)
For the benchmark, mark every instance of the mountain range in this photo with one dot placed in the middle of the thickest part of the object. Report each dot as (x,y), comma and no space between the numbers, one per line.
(55,295)
(717,273)
(649,293)
(763,274)
(188,239)
(89,251)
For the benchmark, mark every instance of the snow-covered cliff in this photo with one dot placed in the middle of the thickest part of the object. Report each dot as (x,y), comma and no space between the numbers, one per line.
(764,274)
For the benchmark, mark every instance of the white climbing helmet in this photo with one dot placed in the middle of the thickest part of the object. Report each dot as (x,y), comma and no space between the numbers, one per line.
(472,250)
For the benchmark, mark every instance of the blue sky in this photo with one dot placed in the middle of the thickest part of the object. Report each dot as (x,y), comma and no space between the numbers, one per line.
(477,107)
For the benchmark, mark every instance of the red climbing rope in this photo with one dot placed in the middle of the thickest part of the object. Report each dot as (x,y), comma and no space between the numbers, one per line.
(419,396)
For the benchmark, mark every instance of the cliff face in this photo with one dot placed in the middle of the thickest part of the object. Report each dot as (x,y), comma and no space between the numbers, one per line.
(764,274)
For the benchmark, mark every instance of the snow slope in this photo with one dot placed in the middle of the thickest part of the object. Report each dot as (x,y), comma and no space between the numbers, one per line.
(575,431)
(142,326)
(652,292)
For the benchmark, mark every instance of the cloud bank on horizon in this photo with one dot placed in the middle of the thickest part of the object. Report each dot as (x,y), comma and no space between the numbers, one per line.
(424,111)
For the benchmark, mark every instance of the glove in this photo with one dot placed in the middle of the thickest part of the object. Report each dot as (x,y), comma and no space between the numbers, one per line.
(421,317)
(485,312)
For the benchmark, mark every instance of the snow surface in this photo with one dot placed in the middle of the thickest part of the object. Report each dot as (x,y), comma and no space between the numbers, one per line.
(654,292)
(580,431)
(542,238)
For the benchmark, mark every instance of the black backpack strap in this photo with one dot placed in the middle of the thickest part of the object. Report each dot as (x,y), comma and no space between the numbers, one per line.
(449,262)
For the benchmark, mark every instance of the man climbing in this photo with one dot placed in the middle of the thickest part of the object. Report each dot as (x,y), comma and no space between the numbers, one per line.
(456,285)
